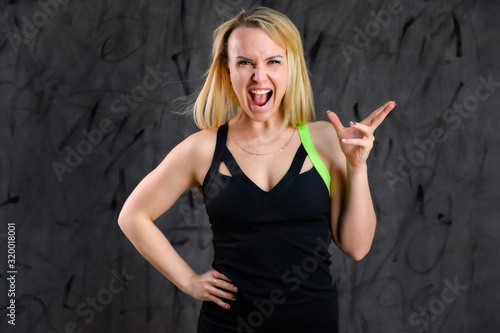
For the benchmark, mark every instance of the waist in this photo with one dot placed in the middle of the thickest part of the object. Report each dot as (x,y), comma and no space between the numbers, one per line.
(262,259)
(273,315)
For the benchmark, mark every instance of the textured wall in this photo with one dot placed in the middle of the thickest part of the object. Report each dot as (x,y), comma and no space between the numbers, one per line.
(88,91)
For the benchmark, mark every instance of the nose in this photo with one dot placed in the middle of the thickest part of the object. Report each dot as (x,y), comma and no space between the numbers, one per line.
(259,74)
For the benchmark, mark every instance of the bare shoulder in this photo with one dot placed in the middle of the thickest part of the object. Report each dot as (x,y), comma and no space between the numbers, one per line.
(201,147)
(326,142)
(202,140)
(321,130)
(179,171)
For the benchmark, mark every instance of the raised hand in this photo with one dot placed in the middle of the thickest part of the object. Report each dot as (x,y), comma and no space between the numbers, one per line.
(357,140)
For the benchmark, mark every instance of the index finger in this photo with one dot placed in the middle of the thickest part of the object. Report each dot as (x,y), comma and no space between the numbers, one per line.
(377,116)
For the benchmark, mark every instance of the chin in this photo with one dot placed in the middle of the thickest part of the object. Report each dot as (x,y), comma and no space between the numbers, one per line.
(263,116)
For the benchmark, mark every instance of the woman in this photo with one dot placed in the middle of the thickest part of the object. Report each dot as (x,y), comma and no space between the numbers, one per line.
(275,198)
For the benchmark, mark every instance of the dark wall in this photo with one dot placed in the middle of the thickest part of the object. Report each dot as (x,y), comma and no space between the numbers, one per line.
(88,93)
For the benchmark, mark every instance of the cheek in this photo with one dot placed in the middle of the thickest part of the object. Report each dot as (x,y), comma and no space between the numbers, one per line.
(238,78)
(282,82)
(239,85)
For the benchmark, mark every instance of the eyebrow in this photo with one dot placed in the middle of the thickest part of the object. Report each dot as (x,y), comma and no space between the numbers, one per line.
(268,58)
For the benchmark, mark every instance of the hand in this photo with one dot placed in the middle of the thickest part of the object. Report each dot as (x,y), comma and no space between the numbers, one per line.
(357,141)
(212,286)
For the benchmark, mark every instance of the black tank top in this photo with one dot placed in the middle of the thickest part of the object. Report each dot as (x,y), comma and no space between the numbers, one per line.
(273,245)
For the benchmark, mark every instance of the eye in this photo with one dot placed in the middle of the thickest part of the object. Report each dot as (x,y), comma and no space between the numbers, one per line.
(244,62)
(274,62)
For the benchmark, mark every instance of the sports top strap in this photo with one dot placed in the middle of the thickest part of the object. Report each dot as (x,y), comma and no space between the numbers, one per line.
(220,147)
(305,137)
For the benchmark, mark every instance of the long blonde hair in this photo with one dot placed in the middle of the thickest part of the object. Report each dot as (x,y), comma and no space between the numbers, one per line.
(217,100)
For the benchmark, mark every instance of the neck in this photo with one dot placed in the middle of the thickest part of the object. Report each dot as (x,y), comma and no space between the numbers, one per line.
(261,131)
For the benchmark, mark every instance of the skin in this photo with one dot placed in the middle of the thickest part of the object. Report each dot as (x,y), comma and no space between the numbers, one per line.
(255,61)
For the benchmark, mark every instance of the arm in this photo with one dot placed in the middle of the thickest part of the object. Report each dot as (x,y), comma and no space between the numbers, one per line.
(353,217)
(355,226)
(154,195)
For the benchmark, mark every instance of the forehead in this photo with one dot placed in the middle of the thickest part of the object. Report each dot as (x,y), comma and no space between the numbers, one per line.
(252,42)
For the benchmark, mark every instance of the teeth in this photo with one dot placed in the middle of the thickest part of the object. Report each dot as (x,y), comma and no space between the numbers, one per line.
(259,92)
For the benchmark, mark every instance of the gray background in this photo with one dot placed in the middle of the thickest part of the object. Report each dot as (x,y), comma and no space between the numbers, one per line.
(437,224)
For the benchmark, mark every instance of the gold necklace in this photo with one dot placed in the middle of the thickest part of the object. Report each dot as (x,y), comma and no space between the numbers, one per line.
(264,153)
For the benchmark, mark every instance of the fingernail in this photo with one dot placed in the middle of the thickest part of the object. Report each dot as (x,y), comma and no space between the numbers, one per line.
(352,123)
(235,288)
(233,297)
(227,307)
(328,111)
(343,140)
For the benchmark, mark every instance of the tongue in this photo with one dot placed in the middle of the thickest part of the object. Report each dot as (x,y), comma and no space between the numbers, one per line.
(260,99)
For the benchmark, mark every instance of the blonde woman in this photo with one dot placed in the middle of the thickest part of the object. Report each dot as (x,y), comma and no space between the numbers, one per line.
(277,187)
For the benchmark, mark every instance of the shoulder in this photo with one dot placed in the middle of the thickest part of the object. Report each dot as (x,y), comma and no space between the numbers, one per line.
(199,148)
(326,141)
(202,139)
(323,134)
(199,144)
(321,130)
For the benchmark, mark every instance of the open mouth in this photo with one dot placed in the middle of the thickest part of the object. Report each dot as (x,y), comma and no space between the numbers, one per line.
(261,97)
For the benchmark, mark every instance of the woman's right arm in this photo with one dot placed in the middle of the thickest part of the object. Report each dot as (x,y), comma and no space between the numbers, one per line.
(154,195)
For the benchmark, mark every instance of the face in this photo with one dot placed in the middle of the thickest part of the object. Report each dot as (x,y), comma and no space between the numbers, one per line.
(258,69)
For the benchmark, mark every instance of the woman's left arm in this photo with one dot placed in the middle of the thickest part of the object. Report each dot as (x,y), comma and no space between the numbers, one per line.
(353,217)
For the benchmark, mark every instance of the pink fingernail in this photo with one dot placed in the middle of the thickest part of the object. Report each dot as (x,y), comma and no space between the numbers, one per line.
(343,140)
(227,307)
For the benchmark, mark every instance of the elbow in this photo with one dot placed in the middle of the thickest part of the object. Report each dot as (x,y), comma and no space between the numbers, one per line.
(357,254)
(130,222)
(127,225)
(123,221)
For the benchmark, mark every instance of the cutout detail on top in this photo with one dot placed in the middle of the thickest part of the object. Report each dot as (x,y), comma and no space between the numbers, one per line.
(307,166)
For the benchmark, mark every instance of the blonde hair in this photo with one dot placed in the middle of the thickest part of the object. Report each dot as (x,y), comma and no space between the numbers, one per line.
(217,99)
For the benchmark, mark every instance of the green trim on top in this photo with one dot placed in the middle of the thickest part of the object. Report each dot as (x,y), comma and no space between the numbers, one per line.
(305,137)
